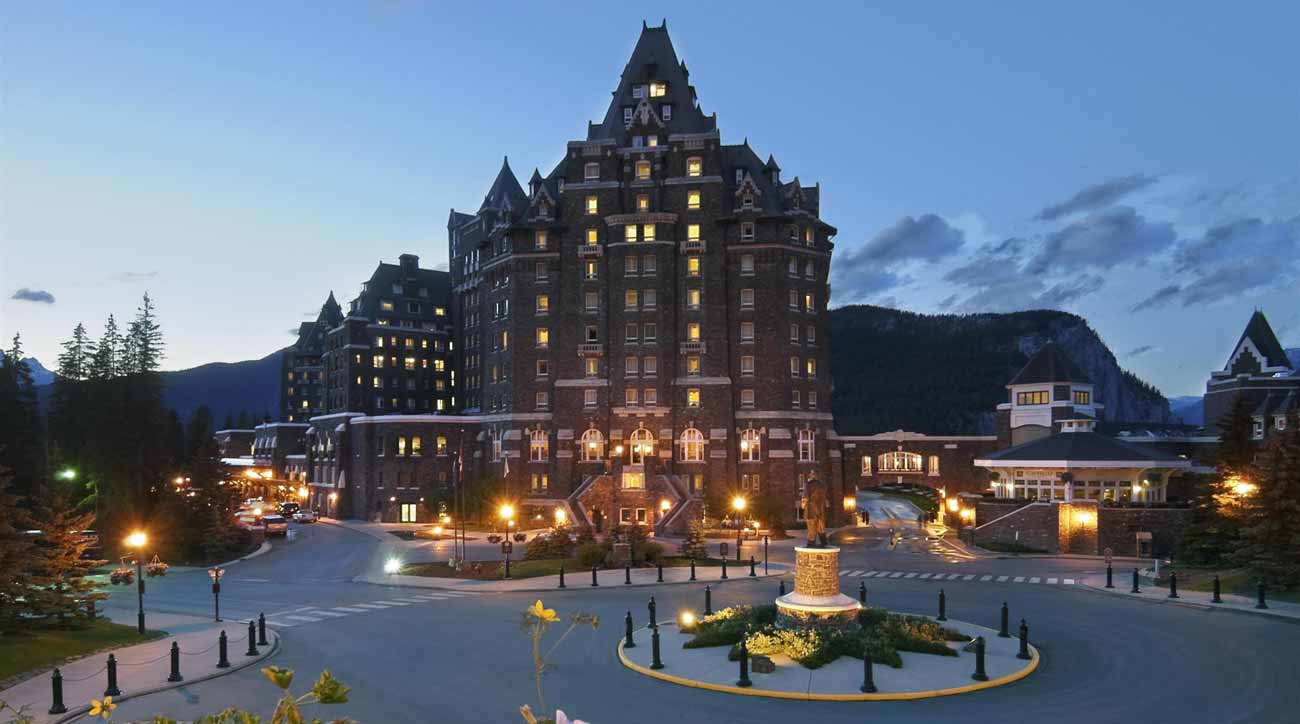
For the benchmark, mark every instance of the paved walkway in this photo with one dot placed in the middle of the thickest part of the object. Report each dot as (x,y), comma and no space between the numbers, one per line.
(142,669)
(962,577)
(579,580)
(1155,593)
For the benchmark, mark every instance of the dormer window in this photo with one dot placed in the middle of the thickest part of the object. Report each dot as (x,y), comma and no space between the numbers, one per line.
(643,170)
(652,141)
(694,167)
(808,236)
(658,89)
(591,171)
(740,176)
(627,117)
(643,202)
(667,112)
(747,201)
(638,91)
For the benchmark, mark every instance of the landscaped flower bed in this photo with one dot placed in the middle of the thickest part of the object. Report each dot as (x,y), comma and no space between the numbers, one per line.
(880,632)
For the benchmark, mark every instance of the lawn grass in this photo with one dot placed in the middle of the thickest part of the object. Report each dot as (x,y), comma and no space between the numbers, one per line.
(1235,582)
(25,651)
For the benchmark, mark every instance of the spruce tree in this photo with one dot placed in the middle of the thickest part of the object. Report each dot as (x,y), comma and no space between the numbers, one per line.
(694,545)
(59,590)
(21,430)
(1270,546)
(105,361)
(1214,529)
(69,415)
(15,556)
(74,362)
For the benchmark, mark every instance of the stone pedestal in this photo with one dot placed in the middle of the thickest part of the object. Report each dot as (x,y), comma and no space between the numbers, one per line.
(816,598)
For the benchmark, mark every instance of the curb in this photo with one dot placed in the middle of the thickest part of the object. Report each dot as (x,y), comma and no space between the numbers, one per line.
(74,714)
(481,586)
(1204,606)
(262,549)
(809,696)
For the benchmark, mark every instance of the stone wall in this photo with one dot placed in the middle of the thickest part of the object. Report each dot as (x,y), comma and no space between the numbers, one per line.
(1033,525)
(1117,529)
(1077,527)
(817,572)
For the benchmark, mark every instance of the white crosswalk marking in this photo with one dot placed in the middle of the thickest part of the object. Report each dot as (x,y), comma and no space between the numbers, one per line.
(1002,579)
(986,578)
(896,574)
(368,605)
(871,574)
(926,575)
(953,576)
(436,597)
(1035,579)
(968,577)
(280,624)
(1069,581)
(1051,581)
(910,575)
(393,603)
(348,609)
(409,600)
(328,614)
(300,617)
(1019,579)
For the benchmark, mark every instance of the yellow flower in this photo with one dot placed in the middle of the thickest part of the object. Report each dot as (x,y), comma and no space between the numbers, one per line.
(542,613)
(102,708)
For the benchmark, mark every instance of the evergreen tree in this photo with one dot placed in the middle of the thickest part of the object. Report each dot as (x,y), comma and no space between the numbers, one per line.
(70,399)
(15,556)
(145,340)
(59,590)
(74,362)
(20,422)
(215,503)
(105,361)
(694,545)
(1270,546)
(1237,444)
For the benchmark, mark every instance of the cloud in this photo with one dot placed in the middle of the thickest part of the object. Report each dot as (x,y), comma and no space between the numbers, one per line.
(1072,290)
(1218,197)
(1232,259)
(38,296)
(1139,351)
(1103,240)
(873,268)
(1096,196)
(134,276)
(999,281)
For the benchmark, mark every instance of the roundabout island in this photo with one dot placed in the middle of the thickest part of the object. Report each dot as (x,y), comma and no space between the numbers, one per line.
(816,643)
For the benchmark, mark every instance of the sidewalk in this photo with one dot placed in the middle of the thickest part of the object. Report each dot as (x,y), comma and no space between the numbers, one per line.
(1190,599)
(978,552)
(581,579)
(143,668)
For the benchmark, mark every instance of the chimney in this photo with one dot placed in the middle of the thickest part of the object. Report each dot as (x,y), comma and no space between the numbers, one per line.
(409,263)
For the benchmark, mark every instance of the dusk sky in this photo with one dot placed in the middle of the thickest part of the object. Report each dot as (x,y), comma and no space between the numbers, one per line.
(1138,165)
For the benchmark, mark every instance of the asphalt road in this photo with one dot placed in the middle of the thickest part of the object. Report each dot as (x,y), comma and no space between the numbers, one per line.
(464,659)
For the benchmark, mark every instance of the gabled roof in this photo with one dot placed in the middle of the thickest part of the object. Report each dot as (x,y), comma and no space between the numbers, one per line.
(1084,447)
(1261,336)
(457,219)
(330,312)
(653,58)
(1049,364)
(505,188)
(1277,403)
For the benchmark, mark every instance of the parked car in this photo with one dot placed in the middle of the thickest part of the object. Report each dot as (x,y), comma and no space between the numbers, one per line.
(306,515)
(248,520)
(275,524)
(288,508)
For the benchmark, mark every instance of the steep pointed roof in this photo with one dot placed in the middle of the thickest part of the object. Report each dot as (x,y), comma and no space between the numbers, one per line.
(1049,364)
(771,164)
(330,312)
(506,186)
(653,59)
(456,218)
(536,178)
(1264,340)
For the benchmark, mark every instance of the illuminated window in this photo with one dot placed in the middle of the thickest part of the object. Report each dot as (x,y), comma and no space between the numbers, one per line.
(408,363)
(538,446)
(1035,397)
(540,481)
(591,367)
(386,305)
(692,232)
(592,443)
(629,232)
(692,199)
(693,331)
(439,365)
(658,89)
(1082,397)
(809,302)
(543,337)
(693,397)
(694,166)
(440,445)
(647,232)
(630,299)
(692,266)
(642,170)
(643,202)
(693,298)
(440,311)
(692,446)
(592,237)
(899,461)
(539,240)
(401,445)
(642,445)
(593,205)
(808,236)
(378,361)
(934,465)
(807,446)
(751,447)
(866,464)
(630,396)
(543,304)
(590,269)
(810,367)
(693,365)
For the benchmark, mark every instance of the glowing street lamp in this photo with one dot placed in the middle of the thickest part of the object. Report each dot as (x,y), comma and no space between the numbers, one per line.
(561,517)
(137,541)
(392,565)
(67,474)
(686,621)
(738,505)
(302,492)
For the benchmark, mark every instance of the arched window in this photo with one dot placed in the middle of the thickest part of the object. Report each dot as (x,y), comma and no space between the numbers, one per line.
(692,446)
(807,446)
(643,444)
(538,445)
(750,447)
(593,446)
(866,464)
(899,462)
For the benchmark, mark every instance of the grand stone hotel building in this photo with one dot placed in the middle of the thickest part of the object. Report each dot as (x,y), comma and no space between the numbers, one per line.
(633,337)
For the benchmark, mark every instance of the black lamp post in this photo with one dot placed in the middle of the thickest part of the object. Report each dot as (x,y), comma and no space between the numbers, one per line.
(215,573)
(738,505)
(137,541)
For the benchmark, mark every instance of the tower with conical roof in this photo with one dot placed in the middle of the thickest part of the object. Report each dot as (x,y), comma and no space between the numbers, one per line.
(1050,394)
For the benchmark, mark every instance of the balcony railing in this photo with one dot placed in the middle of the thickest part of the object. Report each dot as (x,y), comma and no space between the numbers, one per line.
(591,349)
(696,246)
(693,347)
(591,250)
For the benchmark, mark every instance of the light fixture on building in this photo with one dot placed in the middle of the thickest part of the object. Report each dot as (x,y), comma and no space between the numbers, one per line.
(665,505)
(561,516)
(954,505)
(850,502)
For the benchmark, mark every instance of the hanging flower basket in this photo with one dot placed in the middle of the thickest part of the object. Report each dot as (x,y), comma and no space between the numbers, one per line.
(156,567)
(494,538)
(521,537)
(124,576)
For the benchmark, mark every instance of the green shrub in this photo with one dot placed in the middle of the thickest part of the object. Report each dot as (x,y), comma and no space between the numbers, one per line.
(556,544)
(651,552)
(591,554)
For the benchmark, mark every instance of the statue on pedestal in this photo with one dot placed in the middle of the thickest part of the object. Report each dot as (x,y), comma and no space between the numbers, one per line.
(814,511)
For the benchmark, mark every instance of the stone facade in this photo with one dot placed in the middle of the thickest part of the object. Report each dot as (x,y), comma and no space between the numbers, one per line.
(302,370)
(1080,527)
(817,571)
(1032,525)
(906,457)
